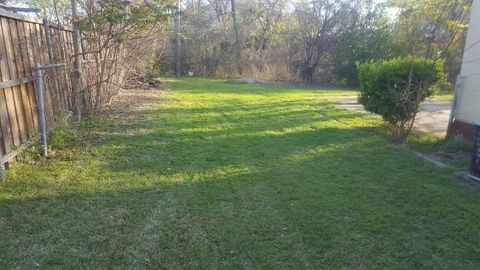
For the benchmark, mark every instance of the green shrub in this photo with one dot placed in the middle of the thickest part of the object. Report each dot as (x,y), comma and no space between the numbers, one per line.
(395,89)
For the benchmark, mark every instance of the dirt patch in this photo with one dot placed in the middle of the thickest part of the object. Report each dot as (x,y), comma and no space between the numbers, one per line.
(128,113)
(129,103)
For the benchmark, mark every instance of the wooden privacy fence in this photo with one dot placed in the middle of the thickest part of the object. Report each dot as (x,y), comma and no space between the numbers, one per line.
(25,42)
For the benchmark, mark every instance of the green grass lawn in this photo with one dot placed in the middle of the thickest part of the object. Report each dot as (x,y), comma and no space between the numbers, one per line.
(444,96)
(219,175)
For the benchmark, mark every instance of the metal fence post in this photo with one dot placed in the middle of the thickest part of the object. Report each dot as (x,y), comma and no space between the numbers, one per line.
(41,109)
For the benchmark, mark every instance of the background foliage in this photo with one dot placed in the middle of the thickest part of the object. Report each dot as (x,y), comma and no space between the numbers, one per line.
(286,40)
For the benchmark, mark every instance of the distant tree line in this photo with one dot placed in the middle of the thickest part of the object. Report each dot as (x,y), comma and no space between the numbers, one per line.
(287,40)
(317,40)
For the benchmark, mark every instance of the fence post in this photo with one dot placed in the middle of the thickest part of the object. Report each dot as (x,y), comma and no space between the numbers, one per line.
(41,109)
(51,59)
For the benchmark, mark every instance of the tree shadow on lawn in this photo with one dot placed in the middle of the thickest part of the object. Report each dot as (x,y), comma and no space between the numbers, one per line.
(246,136)
(308,210)
(318,196)
(243,118)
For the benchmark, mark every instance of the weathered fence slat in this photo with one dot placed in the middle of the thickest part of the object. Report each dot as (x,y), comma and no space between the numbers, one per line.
(5,125)
(8,73)
(18,72)
(11,83)
(4,115)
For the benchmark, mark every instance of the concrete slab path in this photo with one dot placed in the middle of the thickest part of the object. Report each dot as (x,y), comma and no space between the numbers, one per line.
(433,118)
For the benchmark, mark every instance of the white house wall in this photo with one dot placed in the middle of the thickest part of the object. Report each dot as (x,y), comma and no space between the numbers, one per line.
(468,102)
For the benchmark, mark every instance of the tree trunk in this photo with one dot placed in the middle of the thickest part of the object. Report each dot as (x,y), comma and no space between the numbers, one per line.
(307,73)
(177,41)
(237,38)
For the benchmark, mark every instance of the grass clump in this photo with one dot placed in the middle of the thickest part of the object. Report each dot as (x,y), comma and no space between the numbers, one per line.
(61,136)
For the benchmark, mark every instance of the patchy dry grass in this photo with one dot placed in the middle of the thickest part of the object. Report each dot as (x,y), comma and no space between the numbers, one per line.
(235,176)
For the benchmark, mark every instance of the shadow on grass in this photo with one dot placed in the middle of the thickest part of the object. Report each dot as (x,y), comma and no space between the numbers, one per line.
(319,202)
(245,184)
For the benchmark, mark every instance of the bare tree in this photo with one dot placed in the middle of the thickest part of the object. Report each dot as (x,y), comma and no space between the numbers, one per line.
(321,22)
(238,52)
(177,41)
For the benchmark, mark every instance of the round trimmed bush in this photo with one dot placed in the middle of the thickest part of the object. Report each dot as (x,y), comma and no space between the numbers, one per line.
(396,88)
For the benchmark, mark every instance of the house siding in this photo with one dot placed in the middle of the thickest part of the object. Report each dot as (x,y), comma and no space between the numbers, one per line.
(467,109)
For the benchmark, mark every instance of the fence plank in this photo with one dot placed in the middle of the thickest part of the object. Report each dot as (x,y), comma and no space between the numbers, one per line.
(36,59)
(7,75)
(54,73)
(42,48)
(4,121)
(33,105)
(8,48)
(23,40)
(30,63)
(5,125)
(49,110)
(28,112)
(25,56)
(19,73)
(12,116)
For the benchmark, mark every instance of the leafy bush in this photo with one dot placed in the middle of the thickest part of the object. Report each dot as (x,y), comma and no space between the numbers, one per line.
(395,89)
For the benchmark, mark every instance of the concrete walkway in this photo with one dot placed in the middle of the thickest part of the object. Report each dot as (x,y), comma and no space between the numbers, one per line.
(433,118)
